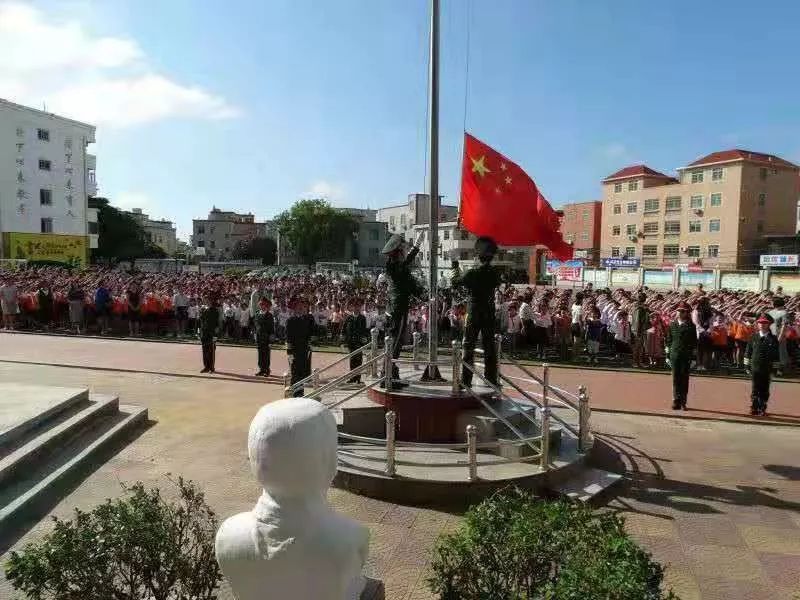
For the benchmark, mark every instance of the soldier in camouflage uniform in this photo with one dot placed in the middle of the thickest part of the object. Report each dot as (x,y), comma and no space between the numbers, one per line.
(264,330)
(299,329)
(354,335)
(208,330)
(402,286)
(480,283)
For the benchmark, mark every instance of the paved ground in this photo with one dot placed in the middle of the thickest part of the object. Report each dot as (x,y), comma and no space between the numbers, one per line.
(718,502)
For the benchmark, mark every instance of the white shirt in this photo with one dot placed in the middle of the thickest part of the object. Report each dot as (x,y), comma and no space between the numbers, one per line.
(244,317)
(526,312)
(577,312)
(180,301)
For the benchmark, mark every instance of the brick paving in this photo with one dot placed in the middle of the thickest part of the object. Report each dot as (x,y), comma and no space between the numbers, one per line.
(717,502)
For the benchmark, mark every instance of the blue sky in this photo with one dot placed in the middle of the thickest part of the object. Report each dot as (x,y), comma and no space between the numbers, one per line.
(250,105)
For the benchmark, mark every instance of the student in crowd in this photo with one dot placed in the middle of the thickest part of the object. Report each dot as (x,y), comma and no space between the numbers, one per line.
(594,329)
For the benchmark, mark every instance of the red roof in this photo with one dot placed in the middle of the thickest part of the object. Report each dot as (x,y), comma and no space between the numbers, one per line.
(738,154)
(636,171)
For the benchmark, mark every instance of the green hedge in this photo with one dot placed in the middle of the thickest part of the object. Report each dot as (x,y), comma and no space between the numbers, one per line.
(515,547)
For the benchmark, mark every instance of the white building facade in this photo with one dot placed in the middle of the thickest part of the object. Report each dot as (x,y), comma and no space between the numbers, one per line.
(46,178)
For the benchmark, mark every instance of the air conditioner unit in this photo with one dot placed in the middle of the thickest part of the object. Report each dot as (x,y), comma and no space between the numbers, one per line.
(640,233)
(633,238)
(683,248)
(698,211)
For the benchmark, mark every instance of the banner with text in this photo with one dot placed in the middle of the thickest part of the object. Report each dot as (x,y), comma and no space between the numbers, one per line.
(71,250)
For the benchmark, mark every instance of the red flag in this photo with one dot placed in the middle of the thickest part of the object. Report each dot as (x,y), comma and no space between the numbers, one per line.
(499,200)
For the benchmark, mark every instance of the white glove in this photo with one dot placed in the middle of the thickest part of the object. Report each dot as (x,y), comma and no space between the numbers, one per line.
(746,362)
(420,237)
(666,350)
(669,362)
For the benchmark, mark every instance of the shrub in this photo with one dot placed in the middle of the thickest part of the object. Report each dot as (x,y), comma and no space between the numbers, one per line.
(514,547)
(138,547)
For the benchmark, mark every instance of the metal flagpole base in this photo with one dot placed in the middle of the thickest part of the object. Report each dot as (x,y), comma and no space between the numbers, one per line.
(432,374)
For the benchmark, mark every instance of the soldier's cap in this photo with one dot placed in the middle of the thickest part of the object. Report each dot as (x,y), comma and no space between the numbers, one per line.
(395,243)
(764,318)
(683,306)
(485,246)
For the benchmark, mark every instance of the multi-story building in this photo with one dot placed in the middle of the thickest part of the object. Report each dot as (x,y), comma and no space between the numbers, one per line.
(46,179)
(402,218)
(215,237)
(715,213)
(162,232)
(580,226)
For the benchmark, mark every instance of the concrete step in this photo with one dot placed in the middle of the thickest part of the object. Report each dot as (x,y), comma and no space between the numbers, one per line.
(46,440)
(586,484)
(27,407)
(39,486)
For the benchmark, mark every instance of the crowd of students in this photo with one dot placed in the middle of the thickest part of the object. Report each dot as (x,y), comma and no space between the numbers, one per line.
(613,326)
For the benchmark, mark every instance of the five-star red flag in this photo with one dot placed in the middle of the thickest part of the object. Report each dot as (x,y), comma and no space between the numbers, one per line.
(499,200)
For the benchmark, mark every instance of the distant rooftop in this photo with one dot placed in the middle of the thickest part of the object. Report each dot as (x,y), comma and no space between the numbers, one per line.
(737,154)
(636,171)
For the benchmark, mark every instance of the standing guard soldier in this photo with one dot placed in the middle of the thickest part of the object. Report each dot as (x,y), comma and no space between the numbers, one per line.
(354,334)
(208,329)
(264,330)
(299,330)
(402,286)
(481,284)
(761,352)
(681,343)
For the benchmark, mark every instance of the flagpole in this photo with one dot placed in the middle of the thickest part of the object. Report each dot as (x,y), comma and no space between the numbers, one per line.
(432,370)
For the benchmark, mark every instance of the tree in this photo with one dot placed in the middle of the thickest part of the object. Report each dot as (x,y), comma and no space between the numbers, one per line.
(315,230)
(261,248)
(120,237)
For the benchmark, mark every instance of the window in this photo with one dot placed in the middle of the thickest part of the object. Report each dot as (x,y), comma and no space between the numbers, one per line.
(373,235)
(447,234)
(762,199)
(632,206)
(671,250)
(696,202)
(713,251)
(697,177)
(44,165)
(227,236)
(630,251)
(618,209)
(713,225)
(201,244)
(46,197)
(373,253)
(391,221)
(673,203)
(94,228)
(617,188)
(465,235)
(650,228)
(201,229)
(762,173)
(47,225)
(212,244)
(695,226)
(672,227)
(584,237)
(633,186)
(760,226)
(614,251)
(586,215)
(630,229)
(464,255)
(651,205)
(227,248)
(403,219)
(615,229)
(715,200)
(717,173)
(650,250)
(693,251)
(43,135)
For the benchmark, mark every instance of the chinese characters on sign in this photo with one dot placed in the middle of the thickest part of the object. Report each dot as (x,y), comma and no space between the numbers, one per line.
(779,260)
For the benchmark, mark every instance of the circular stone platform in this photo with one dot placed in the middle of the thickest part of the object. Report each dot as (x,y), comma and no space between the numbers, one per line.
(428,412)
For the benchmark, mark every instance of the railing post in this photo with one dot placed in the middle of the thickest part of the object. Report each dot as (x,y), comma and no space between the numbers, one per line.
(583,419)
(498,342)
(545,438)
(545,384)
(390,442)
(373,333)
(472,451)
(315,378)
(456,366)
(387,363)
(415,348)
(287,389)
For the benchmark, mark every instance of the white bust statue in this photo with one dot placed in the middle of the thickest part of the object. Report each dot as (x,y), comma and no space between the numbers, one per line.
(292,545)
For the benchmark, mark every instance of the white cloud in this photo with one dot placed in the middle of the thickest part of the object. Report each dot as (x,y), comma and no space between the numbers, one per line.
(103,80)
(331,192)
(131,200)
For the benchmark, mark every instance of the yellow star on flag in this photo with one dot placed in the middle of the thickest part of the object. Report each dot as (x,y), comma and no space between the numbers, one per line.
(508,180)
(479,167)
(503,166)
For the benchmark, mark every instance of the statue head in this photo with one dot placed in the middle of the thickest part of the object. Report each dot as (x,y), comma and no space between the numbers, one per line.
(292,447)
